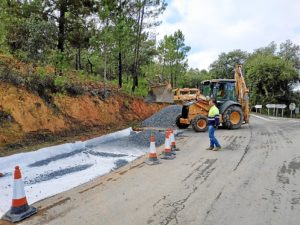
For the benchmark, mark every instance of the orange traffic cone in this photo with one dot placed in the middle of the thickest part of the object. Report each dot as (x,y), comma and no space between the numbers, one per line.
(167,154)
(20,208)
(152,160)
(173,141)
(1,174)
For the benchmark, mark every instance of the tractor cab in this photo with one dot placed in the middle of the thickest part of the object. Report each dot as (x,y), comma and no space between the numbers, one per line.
(220,89)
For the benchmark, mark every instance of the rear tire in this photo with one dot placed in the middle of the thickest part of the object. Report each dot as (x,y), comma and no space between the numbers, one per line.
(233,117)
(199,123)
(180,125)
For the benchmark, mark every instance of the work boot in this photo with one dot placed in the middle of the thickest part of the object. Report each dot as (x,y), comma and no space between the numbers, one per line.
(217,148)
(210,148)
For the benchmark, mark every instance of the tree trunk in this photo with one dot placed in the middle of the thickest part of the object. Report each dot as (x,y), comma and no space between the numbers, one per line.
(91,66)
(76,61)
(137,49)
(120,69)
(78,65)
(175,75)
(61,32)
(79,58)
(105,60)
(171,76)
(61,26)
(163,68)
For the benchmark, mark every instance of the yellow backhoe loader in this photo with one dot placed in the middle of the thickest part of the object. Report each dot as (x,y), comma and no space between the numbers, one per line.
(232,100)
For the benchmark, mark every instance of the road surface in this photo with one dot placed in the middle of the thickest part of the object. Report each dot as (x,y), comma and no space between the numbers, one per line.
(254,180)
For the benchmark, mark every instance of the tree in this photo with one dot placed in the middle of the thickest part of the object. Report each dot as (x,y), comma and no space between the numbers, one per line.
(173,53)
(27,34)
(193,78)
(270,79)
(290,52)
(145,14)
(3,31)
(269,50)
(119,24)
(224,66)
(66,13)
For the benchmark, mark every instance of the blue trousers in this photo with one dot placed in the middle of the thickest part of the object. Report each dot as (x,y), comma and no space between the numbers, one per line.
(213,140)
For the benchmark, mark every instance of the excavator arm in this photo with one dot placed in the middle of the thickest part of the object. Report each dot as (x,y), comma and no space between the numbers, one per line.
(242,92)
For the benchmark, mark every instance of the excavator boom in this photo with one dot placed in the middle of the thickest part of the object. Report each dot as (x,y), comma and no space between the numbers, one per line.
(242,92)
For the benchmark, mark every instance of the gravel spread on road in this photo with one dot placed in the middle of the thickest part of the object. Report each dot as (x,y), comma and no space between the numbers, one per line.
(139,140)
(49,175)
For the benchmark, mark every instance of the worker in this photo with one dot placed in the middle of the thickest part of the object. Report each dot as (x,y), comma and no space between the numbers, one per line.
(213,123)
(221,92)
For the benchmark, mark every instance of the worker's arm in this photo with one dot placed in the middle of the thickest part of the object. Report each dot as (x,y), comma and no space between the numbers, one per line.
(217,120)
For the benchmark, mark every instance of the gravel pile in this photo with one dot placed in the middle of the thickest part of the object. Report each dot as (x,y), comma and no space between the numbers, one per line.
(142,139)
(164,118)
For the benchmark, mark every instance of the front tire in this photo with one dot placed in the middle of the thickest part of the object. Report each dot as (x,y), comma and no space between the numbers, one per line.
(233,117)
(199,123)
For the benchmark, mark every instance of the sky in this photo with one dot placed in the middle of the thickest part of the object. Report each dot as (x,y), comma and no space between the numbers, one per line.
(215,26)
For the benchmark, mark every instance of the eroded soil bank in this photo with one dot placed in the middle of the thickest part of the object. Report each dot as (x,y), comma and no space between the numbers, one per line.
(28,121)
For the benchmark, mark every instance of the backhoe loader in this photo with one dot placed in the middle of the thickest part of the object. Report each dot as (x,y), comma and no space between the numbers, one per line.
(232,101)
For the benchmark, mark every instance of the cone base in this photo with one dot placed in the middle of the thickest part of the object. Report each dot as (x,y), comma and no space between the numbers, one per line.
(175,149)
(152,162)
(169,156)
(21,216)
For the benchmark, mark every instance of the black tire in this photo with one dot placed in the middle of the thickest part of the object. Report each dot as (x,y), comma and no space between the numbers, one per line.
(199,123)
(180,125)
(227,115)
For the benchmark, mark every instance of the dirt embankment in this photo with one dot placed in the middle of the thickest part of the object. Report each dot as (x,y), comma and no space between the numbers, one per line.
(27,120)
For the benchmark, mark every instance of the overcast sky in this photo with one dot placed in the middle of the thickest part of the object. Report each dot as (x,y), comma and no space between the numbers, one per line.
(215,26)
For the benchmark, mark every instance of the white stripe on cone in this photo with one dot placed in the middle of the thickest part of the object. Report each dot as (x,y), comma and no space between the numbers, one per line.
(172,137)
(152,147)
(167,142)
(19,191)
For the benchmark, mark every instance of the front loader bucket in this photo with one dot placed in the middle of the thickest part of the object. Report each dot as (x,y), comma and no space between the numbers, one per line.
(160,93)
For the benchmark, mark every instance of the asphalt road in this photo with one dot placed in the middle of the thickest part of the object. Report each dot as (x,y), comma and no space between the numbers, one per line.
(254,180)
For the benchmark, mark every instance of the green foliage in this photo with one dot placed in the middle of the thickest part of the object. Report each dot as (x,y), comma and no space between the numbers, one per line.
(172,55)
(194,77)
(59,60)
(290,52)
(126,103)
(3,44)
(224,66)
(111,40)
(60,82)
(141,91)
(270,79)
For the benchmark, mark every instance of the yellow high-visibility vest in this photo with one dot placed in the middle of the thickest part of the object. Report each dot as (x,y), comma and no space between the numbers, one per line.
(214,111)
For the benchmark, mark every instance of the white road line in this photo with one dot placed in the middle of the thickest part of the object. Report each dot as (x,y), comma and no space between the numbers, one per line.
(277,119)
(260,117)
(294,121)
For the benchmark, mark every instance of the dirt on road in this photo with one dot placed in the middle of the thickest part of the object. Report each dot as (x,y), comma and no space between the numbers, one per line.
(254,180)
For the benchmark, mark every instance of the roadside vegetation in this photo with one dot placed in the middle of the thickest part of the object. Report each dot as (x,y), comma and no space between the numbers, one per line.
(67,47)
